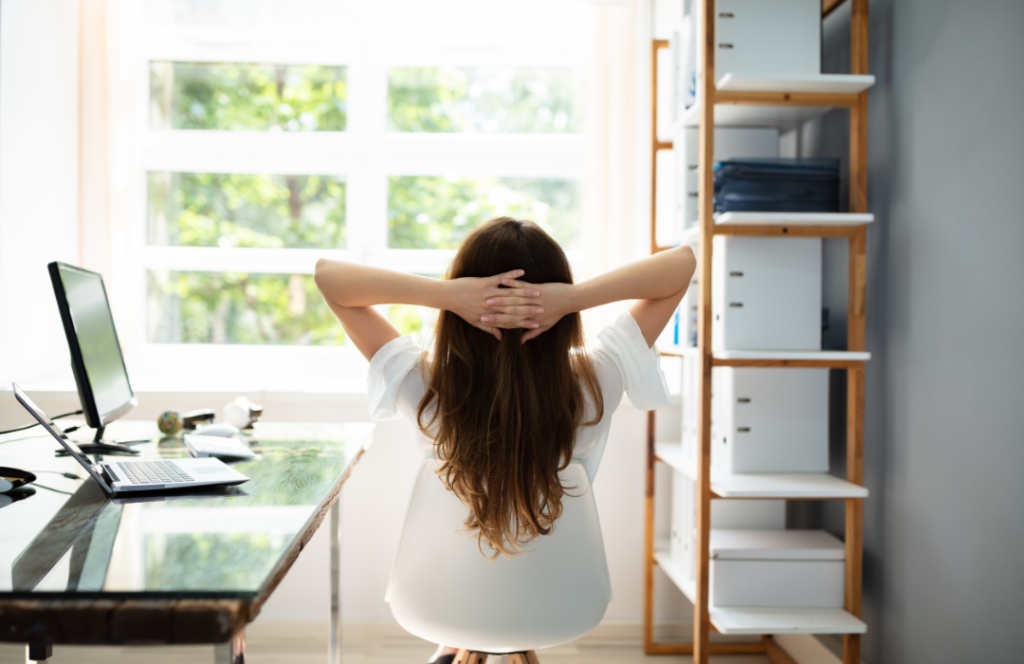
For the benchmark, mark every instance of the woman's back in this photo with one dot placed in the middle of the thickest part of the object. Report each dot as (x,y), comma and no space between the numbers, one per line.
(508,395)
(398,380)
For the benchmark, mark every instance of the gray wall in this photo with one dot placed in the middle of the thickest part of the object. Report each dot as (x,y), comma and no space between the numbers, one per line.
(944,442)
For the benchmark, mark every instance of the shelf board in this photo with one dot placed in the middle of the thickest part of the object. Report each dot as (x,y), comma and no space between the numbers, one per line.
(673,571)
(784,620)
(792,219)
(785,485)
(679,351)
(793,486)
(857,356)
(774,108)
(763,620)
(780,224)
(795,358)
(807,83)
(728,115)
(672,455)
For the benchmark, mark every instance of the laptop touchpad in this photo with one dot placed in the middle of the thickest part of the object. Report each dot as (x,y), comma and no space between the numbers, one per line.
(206,469)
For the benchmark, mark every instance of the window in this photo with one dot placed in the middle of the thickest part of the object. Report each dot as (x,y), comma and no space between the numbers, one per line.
(381,134)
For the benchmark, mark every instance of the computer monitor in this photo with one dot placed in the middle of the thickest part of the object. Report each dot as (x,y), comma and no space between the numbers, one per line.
(96,359)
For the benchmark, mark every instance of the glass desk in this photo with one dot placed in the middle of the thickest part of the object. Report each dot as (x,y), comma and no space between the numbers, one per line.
(174,567)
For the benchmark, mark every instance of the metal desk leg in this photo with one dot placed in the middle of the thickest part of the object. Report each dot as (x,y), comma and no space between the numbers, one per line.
(232,652)
(334,652)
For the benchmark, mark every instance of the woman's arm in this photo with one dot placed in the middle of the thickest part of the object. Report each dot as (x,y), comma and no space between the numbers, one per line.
(658,282)
(351,290)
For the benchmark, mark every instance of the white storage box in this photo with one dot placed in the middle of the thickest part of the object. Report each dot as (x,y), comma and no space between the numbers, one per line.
(766,293)
(770,420)
(778,568)
(777,37)
(730,143)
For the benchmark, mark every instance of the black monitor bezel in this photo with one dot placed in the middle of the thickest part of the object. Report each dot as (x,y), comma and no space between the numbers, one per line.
(93,417)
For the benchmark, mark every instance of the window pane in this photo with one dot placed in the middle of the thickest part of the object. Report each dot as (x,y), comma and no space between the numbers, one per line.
(255,97)
(235,210)
(239,308)
(427,212)
(491,100)
(416,321)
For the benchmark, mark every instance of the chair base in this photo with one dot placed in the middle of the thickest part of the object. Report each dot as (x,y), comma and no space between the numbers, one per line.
(474,657)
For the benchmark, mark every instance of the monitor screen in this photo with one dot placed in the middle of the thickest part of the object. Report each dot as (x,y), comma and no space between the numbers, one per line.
(96,339)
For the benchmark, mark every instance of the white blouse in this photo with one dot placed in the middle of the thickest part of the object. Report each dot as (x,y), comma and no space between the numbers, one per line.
(622,360)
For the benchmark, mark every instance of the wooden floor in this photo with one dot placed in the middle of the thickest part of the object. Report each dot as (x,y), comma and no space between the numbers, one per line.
(305,644)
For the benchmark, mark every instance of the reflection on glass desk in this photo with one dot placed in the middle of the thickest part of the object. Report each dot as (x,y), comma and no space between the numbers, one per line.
(68,541)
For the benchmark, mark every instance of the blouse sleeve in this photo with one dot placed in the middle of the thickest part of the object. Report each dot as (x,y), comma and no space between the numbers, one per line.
(639,364)
(388,369)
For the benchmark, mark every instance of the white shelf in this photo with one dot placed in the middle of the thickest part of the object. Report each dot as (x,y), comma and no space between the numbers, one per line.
(673,571)
(823,355)
(763,485)
(679,351)
(672,454)
(730,115)
(785,485)
(783,117)
(792,219)
(813,83)
(829,355)
(788,620)
(761,620)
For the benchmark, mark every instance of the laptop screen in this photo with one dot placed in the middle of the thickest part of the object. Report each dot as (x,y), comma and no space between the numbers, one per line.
(61,437)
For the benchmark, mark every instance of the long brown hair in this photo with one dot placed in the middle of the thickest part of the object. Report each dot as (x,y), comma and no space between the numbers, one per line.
(507,412)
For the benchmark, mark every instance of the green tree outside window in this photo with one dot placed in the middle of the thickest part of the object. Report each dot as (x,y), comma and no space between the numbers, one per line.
(429,212)
(253,97)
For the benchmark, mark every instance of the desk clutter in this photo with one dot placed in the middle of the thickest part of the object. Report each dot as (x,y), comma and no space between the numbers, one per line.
(206,438)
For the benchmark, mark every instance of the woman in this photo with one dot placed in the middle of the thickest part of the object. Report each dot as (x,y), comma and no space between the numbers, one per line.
(509,396)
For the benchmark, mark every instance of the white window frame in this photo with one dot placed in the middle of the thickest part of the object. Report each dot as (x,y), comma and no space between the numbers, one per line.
(365,154)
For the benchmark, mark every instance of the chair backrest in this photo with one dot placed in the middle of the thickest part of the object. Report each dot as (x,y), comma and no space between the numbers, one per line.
(443,590)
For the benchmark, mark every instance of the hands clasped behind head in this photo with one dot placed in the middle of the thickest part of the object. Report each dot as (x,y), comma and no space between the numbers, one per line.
(506,302)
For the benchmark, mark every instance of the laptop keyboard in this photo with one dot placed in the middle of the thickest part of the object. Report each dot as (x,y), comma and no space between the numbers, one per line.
(153,472)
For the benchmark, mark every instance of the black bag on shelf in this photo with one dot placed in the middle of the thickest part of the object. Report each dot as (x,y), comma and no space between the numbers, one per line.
(777,185)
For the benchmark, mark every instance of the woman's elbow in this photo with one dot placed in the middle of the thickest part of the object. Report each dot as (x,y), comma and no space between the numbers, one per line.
(321,273)
(688,262)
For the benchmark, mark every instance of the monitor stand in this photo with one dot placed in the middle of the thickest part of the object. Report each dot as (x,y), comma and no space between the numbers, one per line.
(98,445)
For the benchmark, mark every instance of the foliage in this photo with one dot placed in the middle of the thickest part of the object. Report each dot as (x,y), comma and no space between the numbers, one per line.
(308,211)
(239,308)
(240,210)
(488,100)
(428,212)
(256,97)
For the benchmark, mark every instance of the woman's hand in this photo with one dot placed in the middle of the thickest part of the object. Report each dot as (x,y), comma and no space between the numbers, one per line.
(540,311)
(467,298)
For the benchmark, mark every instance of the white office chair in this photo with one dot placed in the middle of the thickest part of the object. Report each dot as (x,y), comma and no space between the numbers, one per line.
(443,590)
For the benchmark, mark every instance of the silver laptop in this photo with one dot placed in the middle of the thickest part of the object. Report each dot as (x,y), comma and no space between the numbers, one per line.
(121,477)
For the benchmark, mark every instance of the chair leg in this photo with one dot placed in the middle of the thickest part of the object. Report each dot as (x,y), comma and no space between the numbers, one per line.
(528,657)
(470,657)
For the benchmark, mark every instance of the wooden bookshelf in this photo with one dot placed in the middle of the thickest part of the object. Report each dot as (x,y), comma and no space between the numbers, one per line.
(785,102)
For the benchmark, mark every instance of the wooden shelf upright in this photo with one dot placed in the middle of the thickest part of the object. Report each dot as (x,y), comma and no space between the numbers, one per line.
(746,622)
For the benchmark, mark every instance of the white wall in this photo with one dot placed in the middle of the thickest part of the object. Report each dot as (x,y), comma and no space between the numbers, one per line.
(943,449)
(38,178)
